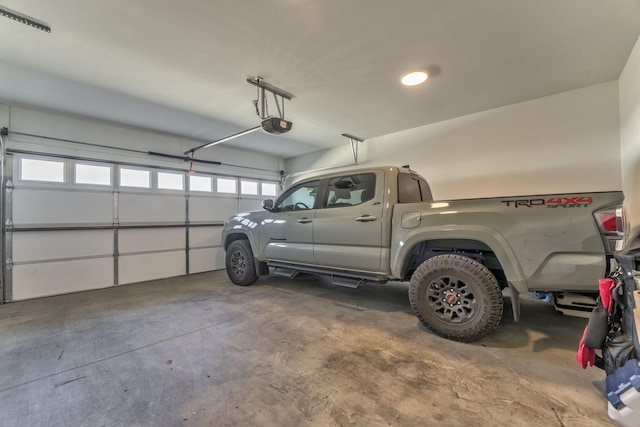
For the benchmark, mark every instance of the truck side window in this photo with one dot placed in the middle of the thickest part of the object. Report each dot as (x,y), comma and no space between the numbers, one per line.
(300,197)
(411,189)
(350,190)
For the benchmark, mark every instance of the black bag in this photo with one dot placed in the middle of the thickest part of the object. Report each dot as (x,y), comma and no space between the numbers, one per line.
(598,327)
(619,345)
(617,350)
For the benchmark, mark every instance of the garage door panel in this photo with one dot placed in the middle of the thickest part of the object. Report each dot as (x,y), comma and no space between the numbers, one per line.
(151,239)
(206,259)
(53,278)
(151,208)
(71,229)
(204,236)
(250,205)
(34,206)
(142,267)
(211,208)
(51,245)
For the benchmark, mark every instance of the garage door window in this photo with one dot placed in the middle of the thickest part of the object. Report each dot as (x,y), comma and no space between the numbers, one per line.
(170,181)
(227,185)
(200,183)
(249,187)
(41,170)
(135,178)
(269,189)
(92,174)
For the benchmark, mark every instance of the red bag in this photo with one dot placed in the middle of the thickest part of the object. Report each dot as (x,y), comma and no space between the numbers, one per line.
(586,355)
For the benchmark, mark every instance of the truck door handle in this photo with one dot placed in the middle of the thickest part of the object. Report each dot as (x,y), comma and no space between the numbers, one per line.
(305,220)
(366,218)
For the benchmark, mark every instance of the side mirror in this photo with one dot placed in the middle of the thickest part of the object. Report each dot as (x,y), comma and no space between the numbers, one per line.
(267,204)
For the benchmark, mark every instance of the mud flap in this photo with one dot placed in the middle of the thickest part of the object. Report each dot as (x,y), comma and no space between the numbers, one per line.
(515,302)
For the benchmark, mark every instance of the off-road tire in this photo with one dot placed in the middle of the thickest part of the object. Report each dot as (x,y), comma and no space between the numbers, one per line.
(456,297)
(240,264)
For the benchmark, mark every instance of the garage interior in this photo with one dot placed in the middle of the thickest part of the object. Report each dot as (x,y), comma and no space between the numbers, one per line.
(105,109)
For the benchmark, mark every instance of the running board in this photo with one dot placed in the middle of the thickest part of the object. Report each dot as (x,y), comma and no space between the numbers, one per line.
(285,272)
(346,282)
(339,278)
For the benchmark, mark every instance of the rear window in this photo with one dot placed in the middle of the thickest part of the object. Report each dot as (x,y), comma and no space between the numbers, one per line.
(413,189)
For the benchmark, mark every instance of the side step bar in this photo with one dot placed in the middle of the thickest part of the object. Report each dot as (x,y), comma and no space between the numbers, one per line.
(338,277)
(346,282)
(285,272)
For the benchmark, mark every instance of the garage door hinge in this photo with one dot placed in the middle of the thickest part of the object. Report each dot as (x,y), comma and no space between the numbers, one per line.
(8,263)
(8,224)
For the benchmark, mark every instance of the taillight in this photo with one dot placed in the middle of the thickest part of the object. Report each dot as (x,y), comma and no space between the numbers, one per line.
(611,224)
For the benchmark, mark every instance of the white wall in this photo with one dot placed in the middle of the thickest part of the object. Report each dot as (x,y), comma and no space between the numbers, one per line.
(48,124)
(629,83)
(567,142)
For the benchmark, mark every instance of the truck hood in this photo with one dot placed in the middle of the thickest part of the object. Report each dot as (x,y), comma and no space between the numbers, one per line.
(250,219)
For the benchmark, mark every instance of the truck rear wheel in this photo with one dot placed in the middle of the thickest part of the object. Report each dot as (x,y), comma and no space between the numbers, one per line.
(456,297)
(240,264)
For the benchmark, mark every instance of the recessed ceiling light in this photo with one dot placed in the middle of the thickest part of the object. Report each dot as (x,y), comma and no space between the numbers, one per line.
(414,78)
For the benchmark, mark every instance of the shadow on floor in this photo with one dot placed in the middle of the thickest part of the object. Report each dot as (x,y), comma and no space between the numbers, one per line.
(539,325)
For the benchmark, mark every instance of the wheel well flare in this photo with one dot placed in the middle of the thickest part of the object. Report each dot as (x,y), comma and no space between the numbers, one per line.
(476,250)
(233,237)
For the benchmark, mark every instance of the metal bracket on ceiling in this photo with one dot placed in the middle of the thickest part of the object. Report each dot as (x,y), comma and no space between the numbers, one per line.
(24,19)
(354,145)
(260,102)
(259,81)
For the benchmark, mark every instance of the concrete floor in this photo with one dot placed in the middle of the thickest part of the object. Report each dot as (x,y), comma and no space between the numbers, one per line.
(199,351)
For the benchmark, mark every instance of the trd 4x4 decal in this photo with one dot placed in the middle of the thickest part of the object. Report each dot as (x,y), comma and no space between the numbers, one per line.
(554,202)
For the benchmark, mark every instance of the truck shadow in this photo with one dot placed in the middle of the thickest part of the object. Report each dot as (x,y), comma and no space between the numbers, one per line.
(390,297)
(540,327)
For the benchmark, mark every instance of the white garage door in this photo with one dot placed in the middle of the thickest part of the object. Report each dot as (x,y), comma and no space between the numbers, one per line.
(74,224)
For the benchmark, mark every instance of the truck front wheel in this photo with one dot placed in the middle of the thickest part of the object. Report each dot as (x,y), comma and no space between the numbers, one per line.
(240,264)
(456,297)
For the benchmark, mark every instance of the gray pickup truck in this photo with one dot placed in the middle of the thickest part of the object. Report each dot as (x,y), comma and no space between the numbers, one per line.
(376,224)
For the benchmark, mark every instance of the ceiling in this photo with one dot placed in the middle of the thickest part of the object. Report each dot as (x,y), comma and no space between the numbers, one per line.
(181,67)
